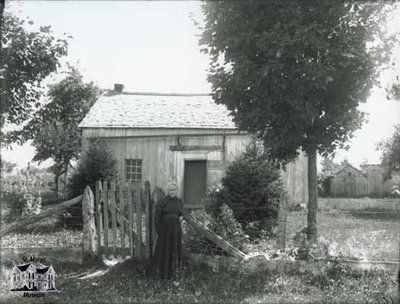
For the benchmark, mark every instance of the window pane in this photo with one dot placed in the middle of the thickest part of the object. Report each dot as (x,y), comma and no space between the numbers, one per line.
(133,170)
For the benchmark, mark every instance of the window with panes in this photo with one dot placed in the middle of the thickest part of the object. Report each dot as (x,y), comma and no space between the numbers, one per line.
(133,170)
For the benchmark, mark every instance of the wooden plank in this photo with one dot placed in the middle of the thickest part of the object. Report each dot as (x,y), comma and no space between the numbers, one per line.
(130,218)
(138,203)
(98,201)
(196,148)
(282,222)
(122,216)
(146,199)
(193,206)
(105,214)
(113,201)
(46,212)
(89,227)
(106,134)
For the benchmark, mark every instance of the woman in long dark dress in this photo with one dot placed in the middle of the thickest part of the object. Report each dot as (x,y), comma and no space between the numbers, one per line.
(168,217)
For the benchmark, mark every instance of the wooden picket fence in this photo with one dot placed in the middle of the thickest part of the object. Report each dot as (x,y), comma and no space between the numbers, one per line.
(124,221)
(123,216)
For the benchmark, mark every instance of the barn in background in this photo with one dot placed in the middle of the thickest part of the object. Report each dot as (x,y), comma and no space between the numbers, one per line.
(183,137)
(377,186)
(349,182)
(369,181)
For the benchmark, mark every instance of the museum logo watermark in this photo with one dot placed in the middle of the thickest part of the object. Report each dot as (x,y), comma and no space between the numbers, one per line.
(32,277)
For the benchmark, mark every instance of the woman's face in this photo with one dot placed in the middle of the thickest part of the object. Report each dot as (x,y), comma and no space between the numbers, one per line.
(172,191)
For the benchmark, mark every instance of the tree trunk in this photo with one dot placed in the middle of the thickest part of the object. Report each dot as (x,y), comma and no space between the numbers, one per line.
(312,195)
(56,177)
(65,181)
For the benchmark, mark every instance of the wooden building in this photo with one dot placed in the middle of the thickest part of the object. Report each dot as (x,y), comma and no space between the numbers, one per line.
(349,182)
(377,186)
(182,137)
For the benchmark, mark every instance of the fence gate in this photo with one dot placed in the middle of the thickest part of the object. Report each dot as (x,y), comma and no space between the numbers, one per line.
(123,219)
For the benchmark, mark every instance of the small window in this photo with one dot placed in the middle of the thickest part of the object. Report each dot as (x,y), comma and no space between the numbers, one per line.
(133,170)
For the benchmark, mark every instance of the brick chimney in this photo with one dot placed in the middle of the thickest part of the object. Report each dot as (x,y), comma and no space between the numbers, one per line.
(118,88)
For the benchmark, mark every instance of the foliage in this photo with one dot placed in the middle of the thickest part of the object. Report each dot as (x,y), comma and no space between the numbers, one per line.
(393,91)
(97,163)
(358,235)
(224,225)
(54,128)
(61,238)
(22,193)
(7,166)
(252,188)
(293,73)
(14,202)
(127,283)
(27,58)
(390,159)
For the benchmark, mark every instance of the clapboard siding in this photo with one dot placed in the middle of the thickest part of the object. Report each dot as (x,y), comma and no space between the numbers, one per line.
(163,160)
(294,177)
(349,182)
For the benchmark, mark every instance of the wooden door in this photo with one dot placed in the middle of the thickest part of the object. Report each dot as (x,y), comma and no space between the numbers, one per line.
(195,181)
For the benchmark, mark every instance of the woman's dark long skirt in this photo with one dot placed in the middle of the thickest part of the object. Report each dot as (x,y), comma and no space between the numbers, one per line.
(168,252)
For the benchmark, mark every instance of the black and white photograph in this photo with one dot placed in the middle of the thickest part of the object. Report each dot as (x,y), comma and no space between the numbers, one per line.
(200,151)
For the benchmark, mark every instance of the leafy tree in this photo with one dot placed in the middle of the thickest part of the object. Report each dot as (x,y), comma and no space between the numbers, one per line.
(390,159)
(393,91)
(294,72)
(27,58)
(54,128)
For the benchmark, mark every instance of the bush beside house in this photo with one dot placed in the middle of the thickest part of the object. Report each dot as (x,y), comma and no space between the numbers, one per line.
(97,163)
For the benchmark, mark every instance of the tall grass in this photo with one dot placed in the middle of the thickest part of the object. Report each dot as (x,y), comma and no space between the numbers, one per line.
(359,234)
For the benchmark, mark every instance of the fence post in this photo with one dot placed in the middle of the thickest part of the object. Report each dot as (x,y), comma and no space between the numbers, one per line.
(130,217)
(282,220)
(138,201)
(156,196)
(147,201)
(89,227)
(113,203)
(99,225)
(122,219)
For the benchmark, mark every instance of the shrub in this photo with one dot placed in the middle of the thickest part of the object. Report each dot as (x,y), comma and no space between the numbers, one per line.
(22,193)
(15,202)
(97,163)
(224,225)
(252,188)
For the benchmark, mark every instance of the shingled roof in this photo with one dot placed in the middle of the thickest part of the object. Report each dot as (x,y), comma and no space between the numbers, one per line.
(139,110)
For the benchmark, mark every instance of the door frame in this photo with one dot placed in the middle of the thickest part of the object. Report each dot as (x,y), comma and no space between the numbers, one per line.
(190,156)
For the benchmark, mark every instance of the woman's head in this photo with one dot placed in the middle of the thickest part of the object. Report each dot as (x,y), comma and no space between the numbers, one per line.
(172,189)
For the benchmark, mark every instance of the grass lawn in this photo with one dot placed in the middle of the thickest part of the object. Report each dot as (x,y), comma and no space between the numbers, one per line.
(366,234)
(127,283)
(371,235)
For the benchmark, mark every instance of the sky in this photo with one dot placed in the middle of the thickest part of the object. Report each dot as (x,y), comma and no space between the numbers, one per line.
(152,46)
